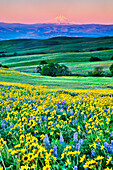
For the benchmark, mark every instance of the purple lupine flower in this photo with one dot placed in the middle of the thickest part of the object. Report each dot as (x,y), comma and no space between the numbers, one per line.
(85,117)
(74,122)
(62,102)
(107,146)
(112,142)
(79,111)
(61,110)
(57,103)
(111,133)
(77,147)
(86,130)
(2,110)
(75,168)
(2,125)
(90,115)
(8,108)
(11,125)
(61,139)
(71,112)
(92,153)
(47,143)
(105,110)
(75,137)
(45,118)
(81,141)
(55,151)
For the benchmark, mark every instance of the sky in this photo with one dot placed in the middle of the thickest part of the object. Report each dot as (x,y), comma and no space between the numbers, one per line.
(41,11)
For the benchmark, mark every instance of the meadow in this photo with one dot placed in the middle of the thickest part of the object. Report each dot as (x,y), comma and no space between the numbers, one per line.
(56,123)
(65,82)
(54,128)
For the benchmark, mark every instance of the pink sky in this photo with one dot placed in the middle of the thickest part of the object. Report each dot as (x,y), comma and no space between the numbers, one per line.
(78,11)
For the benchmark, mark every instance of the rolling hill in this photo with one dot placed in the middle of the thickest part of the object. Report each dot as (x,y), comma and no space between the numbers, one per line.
(55,45)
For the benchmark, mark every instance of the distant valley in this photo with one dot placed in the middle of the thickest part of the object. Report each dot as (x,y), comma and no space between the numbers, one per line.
(10,31)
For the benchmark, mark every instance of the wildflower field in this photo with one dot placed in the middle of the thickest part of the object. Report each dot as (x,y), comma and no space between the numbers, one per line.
(55,129)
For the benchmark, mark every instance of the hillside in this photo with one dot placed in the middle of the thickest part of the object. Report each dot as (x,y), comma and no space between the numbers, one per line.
(55,45)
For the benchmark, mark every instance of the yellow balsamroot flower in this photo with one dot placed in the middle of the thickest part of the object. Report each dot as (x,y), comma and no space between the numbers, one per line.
(102,147)
(94,145)
(67,163)
(82,158)
(17,146)
(9,150)
(21,137)
(51,133)
(62,156)
(25,158)
(99,158)
(79,129)
(108,160)
(13,152)
(24,168)
(1,168)
(47,167)
(108,168)
(42,137)
(54,158)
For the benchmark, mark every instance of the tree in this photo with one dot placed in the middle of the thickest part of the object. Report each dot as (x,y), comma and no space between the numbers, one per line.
(111,69)
(112,58)
(55,70)
(98,71)
(95,59)
(43,62)
(38,69)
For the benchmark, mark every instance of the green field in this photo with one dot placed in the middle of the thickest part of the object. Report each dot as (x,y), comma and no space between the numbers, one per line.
(73,52)
(7,75)
(56,45)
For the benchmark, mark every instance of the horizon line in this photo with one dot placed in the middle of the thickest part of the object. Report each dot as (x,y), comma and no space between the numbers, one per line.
(56,23)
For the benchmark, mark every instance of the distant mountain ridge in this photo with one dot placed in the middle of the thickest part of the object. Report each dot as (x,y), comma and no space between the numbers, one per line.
(48,30)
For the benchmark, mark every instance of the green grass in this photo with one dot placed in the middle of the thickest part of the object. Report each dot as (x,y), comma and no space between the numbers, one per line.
(30,60)
(55,45)
(56,82)
(74,67)
(61,50)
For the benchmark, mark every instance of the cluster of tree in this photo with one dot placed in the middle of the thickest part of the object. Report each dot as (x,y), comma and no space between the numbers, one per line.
(98,71)
(8,55)
(111,69)
(3,54)
(95,59)
(112,58)
(4,66)
(53,70)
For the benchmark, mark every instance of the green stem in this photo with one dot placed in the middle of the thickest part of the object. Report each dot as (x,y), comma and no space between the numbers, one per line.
(2,161)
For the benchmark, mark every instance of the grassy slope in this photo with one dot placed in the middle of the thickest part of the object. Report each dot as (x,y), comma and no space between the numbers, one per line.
(7,75)
(30,60)
(54,45)
(76,61)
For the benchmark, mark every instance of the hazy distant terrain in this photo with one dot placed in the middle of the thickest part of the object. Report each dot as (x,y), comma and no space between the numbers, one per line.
(43,31)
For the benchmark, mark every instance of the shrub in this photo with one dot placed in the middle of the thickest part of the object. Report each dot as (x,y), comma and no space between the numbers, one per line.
(112,58)
(55,70)
(111,69)
(38,69)
(5,66)
(98,71)
(95,59)
(43,62)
